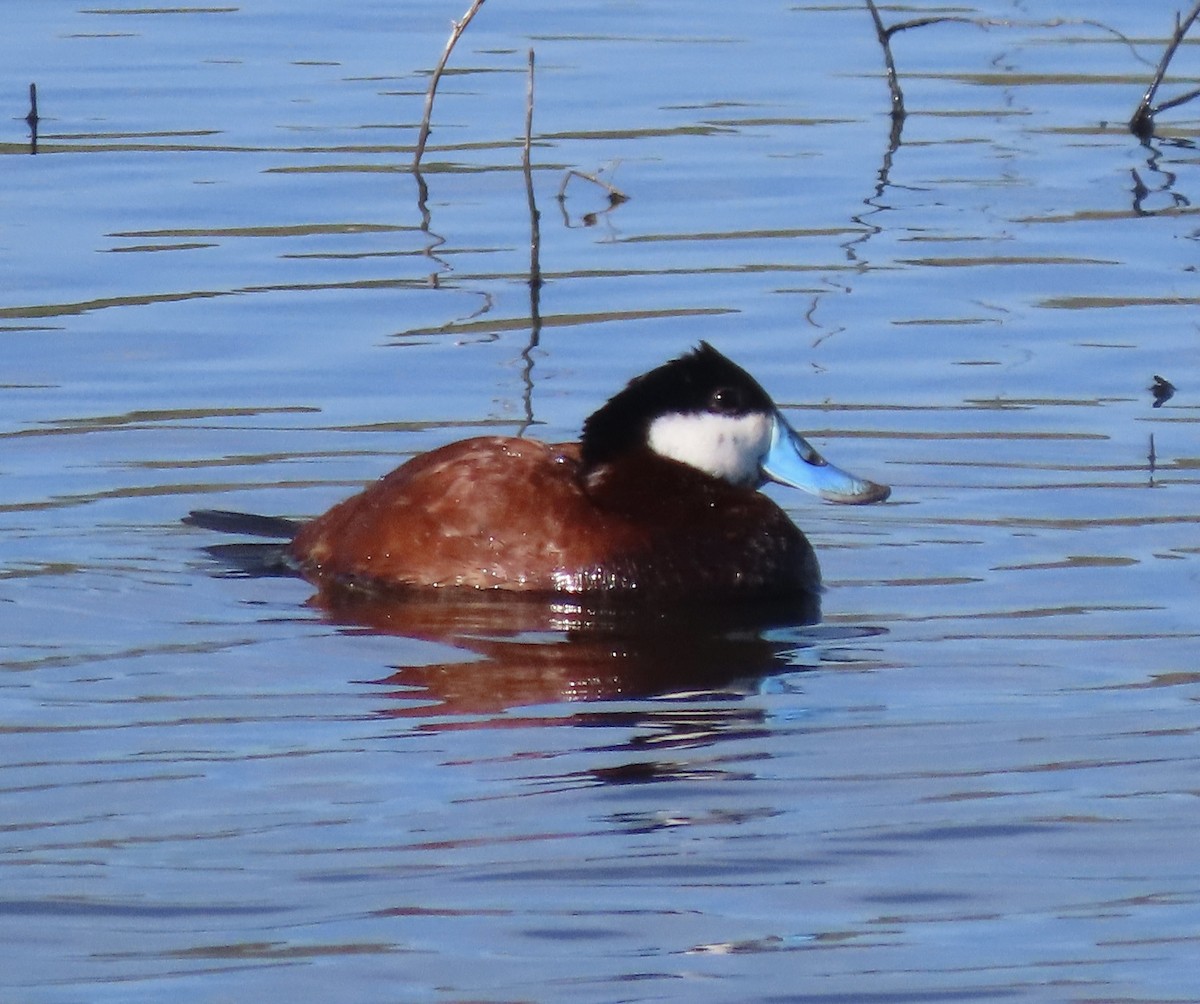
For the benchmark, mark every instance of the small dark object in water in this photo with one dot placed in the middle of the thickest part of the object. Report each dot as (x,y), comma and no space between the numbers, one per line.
(32,119)
(1163,390)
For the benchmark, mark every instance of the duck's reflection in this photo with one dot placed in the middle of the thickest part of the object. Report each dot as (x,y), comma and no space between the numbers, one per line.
(521,651)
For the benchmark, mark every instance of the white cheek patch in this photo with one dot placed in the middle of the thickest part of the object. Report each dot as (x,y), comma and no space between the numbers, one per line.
(730,447)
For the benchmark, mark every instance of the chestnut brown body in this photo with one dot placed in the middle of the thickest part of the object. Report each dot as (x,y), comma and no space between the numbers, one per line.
(516,514)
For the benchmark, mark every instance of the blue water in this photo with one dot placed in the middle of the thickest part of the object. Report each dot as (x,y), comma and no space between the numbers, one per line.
(975,780)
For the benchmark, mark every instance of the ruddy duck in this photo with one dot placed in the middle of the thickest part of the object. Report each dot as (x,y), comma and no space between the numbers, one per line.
(660,498)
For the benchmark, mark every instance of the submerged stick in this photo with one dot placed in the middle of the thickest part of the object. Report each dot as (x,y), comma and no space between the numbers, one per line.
(1142,123)
(455,34)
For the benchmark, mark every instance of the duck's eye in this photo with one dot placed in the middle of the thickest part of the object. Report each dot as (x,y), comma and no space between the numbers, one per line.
(727,401)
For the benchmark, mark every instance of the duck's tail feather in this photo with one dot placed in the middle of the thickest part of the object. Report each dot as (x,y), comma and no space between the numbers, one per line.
(247,523)
(246,559)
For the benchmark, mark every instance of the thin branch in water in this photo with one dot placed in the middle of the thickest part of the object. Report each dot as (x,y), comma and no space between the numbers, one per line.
(535,252)
(615,198)
(32,118)
(535,233)
(921,22)
(1142,123)
(455,34)
(885,40)
(529,113)
(615,195)
(884,33)
(1175,102)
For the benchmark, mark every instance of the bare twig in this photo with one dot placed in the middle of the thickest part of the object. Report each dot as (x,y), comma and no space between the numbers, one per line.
(1182,99)
(921,22)
(885,40)
(1142,123)
(535,252)
(615,195)
(615,198)
(884,34)
(455,34)
(528,113)
(535,232)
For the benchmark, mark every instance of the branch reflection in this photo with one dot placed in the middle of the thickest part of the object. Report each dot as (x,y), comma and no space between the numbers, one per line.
(1161,183)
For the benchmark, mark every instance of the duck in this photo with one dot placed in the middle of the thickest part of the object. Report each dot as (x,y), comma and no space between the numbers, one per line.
(659,497)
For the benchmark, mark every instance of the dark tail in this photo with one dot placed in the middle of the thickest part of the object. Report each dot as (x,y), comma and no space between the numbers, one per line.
(246,523)
(245,560)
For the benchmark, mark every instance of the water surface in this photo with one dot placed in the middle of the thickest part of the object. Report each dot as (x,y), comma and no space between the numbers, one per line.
(974,780)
